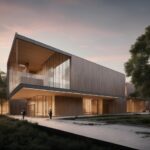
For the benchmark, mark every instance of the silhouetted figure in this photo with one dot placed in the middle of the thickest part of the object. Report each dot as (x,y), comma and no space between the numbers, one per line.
(23,114)
(50,114)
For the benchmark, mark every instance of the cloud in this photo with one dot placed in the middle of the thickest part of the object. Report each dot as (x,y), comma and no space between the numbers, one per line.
(84,28)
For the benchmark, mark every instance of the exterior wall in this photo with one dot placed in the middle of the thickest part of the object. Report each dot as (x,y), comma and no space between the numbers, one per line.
(92,106)
(103,106)
(39,106)
(119,105)
(36,106)
(133,104)
(16,106)
(136,105)
(95,105)
(90,77)
(68,106)
(4,107)
(109,106)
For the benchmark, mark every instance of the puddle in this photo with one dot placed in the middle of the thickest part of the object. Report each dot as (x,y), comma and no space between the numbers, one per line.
(89,123)
(144,134)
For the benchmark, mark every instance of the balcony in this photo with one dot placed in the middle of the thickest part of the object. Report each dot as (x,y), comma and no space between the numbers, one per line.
(29,78)
(18,77)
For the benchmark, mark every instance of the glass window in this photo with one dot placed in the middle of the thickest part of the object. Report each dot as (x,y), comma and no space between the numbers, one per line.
(58,71)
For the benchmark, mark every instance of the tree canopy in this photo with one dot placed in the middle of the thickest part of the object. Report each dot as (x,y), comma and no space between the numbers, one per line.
(138,66)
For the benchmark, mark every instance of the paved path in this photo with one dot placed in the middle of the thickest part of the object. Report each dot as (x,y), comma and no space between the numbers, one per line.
(119,134)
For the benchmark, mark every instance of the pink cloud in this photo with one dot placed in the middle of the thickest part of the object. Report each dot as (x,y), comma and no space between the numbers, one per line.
(18,17)
(33,23)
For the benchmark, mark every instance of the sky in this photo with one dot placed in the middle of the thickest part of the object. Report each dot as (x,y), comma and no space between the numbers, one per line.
(101,31)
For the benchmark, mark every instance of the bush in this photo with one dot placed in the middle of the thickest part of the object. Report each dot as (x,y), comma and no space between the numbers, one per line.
(22,135)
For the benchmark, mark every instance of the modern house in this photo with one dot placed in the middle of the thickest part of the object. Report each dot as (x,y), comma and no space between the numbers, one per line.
(41,77)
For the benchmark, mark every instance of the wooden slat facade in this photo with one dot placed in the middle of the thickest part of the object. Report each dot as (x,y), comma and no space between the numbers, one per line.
(93,78)
(4,106)
(68,106)
(136,105)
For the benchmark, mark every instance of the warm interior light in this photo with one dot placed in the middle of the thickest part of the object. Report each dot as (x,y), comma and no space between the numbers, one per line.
(22,66)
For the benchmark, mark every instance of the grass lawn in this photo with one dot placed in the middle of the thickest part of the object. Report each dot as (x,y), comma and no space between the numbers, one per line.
(22,135)
(133,119)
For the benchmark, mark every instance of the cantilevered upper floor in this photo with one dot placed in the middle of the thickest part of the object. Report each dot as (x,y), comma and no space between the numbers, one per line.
(35,65)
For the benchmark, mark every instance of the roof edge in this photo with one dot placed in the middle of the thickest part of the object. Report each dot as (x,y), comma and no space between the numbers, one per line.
(12,47)
(24,38)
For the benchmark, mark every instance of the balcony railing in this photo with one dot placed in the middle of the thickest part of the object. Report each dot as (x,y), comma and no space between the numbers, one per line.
(18,77)
(29,78)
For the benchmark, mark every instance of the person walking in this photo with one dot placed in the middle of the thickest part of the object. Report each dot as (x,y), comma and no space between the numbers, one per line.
(23,114)
(50,114)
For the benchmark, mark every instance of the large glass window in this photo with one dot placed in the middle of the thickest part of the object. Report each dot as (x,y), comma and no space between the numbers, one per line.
(57,71)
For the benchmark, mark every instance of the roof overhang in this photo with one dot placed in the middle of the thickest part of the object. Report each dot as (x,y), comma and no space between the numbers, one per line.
(27,51)
(28,91)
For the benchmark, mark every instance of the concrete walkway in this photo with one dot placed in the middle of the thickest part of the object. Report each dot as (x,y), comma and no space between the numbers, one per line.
(129,136)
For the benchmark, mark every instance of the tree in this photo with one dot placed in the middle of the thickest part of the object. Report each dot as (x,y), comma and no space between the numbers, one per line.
(138,66)
(3,94)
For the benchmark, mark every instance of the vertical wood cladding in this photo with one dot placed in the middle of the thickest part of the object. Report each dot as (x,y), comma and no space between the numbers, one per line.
(136,105)
(93,78)
(68,106)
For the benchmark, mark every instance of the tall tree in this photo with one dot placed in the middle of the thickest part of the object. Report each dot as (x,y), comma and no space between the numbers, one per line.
(138,66)
(3,94)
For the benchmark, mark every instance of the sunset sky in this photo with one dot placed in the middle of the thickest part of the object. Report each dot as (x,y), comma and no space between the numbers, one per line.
(99,30)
